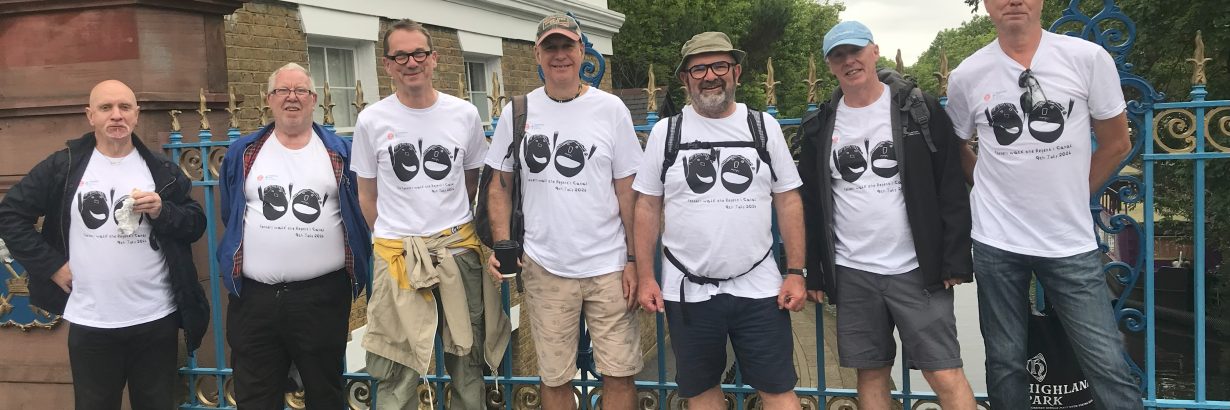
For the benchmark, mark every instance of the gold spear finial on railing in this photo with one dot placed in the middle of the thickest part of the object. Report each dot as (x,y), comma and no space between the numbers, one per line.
(1198,60)
(231,108)
(900,64)
(942,75)
(175,120)
(811,80)
(461,87)
(651,92)
(264,112)
(497,101)
(202,111)
(359,103)
(770,86)
(327,105)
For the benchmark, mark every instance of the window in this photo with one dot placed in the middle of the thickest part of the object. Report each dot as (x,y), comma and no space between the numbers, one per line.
(476,82)
(336,66)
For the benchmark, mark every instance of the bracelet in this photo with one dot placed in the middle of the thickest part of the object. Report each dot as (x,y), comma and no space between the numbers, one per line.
(631,258)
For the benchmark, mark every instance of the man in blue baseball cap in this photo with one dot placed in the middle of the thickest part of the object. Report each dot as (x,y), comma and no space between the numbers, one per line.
(888,221)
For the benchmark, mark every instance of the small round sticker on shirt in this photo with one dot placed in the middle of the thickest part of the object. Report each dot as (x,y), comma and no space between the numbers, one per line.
(390,136)
(986,97)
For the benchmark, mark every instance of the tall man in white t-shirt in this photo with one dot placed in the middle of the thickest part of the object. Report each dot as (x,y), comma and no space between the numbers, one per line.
(893,241)
(417,154)
(114,255)
(294,253)
(720,191)
(580,154)
(1032,96)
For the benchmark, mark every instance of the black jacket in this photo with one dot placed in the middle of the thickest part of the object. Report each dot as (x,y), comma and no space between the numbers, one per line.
(46,191)
(936,199)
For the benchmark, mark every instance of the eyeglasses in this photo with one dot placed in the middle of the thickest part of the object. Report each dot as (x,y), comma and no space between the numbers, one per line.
(719,69)
(283,92)
(402,58)
(1033,88)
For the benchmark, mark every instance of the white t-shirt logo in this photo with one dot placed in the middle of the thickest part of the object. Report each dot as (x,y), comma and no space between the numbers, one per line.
(436,161)
(275,201)
(96,208)
(405,160)
(1044,117)
(699,172)
(569,156)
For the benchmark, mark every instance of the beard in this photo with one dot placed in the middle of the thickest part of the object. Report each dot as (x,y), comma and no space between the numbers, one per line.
(710,104)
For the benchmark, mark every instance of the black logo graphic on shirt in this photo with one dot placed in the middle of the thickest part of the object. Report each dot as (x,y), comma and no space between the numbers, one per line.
(737,173)
(405,159)
(274,200)
(305,206)
(437,163)
(699,171)
(94,207)
(884,160)
(569,157)
(1045,118)
(851,161)
(1005,120)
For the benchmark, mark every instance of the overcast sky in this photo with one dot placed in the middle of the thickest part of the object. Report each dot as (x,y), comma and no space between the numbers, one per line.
(909,25)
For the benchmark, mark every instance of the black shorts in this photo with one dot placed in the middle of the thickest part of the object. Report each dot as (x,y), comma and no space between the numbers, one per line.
(758,331)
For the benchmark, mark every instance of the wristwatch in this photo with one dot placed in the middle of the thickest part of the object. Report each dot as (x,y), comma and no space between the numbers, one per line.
(797,271)
(631,258)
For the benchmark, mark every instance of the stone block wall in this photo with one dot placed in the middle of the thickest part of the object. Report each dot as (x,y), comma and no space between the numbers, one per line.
(261,37)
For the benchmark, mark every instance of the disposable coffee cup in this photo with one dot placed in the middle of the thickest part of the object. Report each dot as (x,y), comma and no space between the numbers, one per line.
(507,252)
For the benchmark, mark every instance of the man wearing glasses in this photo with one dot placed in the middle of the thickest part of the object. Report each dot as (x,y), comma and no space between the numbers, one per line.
(580,155)
(888,221)
(294,253)
(731,170)
(1031,97)
(417,154)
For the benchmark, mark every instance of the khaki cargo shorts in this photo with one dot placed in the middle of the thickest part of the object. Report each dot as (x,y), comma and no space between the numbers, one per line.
(554,305)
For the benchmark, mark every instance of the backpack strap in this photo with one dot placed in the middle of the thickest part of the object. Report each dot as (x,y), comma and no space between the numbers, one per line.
(917,107)
(674,124)
(516,224)
(760,139)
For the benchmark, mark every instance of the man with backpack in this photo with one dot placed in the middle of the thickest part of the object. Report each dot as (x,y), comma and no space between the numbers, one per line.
(720,170)
(417,155)
(568,170)
(888,245)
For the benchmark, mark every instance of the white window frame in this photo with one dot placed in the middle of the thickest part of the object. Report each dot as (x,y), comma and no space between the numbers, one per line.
(364,70)
(491,64)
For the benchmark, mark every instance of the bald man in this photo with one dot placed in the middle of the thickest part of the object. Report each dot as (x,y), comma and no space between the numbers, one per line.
(114,255)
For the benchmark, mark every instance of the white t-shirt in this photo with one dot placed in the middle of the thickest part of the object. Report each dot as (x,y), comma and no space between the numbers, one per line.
(118,280)
(873,232)
(718,210)
(572,153)
(418,158)
(1031,185)
(292,222)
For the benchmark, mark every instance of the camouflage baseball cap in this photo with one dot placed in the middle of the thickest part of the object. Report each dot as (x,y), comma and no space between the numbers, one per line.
(709,42)
(558,23)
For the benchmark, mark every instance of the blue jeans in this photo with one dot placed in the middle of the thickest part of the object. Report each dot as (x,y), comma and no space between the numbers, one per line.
(1076,288)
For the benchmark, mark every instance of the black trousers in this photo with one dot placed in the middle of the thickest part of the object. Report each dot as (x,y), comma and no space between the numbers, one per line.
(141,356)
(269,327)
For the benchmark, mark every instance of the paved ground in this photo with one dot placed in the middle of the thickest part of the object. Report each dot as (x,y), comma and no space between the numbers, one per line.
(805,354)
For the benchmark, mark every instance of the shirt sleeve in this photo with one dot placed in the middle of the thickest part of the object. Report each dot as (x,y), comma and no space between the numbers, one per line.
(500,141)
(1105,91)
(476,146)
(649,177)
(362,157)
(628,152)
(958,109)
(779,151)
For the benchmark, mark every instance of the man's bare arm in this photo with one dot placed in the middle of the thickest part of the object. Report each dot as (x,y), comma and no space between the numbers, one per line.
(1113,146)
(367,200)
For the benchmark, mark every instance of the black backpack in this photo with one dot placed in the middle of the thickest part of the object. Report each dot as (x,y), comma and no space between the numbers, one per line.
(516,224)
(755,122)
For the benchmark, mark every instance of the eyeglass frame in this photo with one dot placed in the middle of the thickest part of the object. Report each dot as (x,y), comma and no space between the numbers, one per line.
(286,92)
(405,57)
(1023,81)
(704,69)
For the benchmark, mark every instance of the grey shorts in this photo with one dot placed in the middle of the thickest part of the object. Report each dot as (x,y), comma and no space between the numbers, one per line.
(870,305)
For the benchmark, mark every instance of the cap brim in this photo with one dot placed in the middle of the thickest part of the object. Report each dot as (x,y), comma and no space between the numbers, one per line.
(857,42)
(571,35)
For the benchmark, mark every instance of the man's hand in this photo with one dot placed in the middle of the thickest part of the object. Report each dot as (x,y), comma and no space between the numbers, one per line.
(149,203)
(950,282)
(64,278)
(815,296)
(493,268)
(629,281)
(650,296)
(793,293)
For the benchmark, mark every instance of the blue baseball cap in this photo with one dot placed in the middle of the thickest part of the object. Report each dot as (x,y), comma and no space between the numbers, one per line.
(847,32)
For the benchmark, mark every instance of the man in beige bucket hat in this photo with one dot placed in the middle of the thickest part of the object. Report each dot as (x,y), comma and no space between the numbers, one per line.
(721,282)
